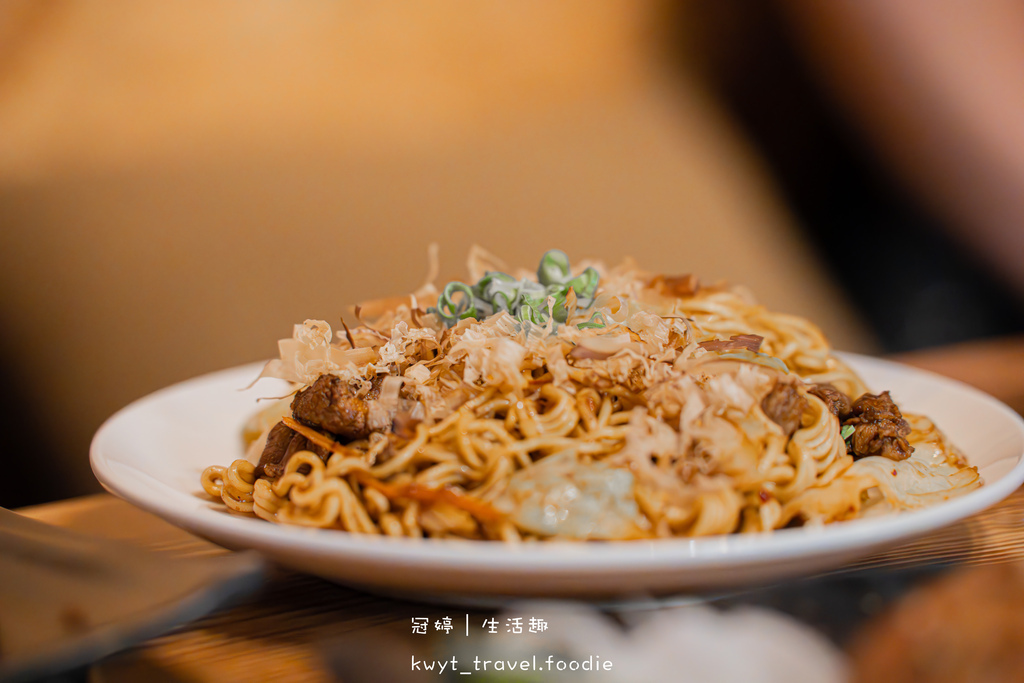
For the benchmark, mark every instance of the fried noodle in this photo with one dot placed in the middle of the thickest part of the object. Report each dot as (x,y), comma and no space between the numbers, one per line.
(666,419)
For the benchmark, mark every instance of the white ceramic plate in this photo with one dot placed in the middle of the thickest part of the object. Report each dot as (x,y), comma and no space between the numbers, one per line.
(152,453)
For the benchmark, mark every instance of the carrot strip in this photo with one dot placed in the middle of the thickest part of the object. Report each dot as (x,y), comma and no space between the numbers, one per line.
(319,439)
(432,494)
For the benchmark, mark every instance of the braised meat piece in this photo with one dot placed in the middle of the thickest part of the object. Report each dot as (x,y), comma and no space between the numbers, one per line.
(784,406)
(838,403)
(273,452)
(878,428)
(737,342)
(282,443)
(330,404)
(675,285)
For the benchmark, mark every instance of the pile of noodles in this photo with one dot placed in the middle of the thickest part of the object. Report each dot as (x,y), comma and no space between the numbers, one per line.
(505,429)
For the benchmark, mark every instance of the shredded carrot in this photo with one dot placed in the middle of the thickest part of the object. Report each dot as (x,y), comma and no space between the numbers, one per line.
(431,494)
(424,494)
(319,439)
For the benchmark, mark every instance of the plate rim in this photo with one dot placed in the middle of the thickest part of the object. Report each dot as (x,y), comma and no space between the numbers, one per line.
(593,557)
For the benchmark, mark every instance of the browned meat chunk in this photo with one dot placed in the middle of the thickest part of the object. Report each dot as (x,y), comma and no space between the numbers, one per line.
(277,443)
(784,406)
(737,342)
(330,404)
(878,428)
(838,403)
(282,443)
(675,285)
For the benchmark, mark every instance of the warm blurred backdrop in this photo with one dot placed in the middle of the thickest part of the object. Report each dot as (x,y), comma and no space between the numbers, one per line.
(181,182)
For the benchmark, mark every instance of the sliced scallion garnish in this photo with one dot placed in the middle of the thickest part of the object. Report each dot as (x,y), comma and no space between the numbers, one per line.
(525,300)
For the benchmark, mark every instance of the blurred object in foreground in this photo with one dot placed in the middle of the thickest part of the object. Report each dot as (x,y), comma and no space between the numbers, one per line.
(740,644)
(562,641)
(966,626)
(69,599)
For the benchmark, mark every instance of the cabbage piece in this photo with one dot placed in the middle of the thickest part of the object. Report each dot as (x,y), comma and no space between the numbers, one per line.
(560,496)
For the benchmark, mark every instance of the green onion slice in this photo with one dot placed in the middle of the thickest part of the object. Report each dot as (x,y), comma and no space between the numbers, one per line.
(525,300)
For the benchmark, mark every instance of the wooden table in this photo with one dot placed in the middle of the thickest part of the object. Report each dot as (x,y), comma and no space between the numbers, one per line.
(284,632)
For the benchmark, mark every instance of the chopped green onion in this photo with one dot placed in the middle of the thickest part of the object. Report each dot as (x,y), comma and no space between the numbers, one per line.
(525,300)
(553,268)
(585,284)
(450,308)
(591,323)
(846,432)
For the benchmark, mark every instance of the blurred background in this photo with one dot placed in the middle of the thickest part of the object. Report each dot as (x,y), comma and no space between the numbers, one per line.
(181,182)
